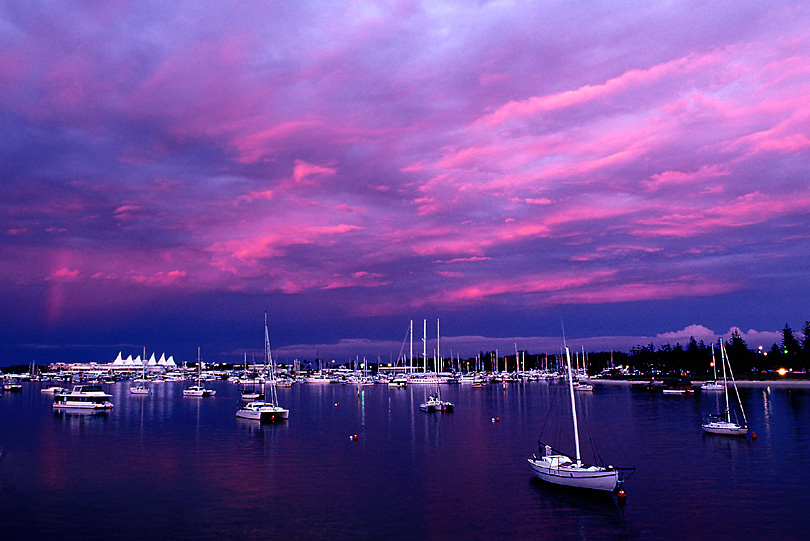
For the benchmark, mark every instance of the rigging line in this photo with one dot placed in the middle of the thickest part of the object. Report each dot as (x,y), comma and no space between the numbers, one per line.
(548,413)
(585,414)
(612,435)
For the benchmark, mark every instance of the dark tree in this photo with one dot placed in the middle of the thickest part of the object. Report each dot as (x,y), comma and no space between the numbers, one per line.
(806,345)
(790,347)
(739,354)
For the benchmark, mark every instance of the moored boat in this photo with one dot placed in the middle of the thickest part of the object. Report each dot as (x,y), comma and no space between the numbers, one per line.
(198,390)
(86,397)
(265,412)
(560,469)
(722,423)
(140,389)
(53,389)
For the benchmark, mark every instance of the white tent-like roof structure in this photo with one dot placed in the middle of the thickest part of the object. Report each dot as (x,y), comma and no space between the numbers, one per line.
(138,364)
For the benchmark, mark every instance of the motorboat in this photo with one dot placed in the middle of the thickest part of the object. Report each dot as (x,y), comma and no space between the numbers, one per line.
(11,386)
(53,389)
(140,389)
(86,397)
(581,386)
(400,380)
(252,394)
(198,390)
(435,403)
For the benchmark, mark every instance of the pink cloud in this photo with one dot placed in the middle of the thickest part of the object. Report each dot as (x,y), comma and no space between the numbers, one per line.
(254,196)
(159,278)
(687,286)
(63,275)
(633,78)
(706,173)
(303,171)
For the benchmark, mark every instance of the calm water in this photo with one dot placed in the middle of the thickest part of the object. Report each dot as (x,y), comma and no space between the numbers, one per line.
(165,466)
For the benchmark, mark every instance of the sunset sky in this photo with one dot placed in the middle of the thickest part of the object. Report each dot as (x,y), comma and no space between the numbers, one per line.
(171,170)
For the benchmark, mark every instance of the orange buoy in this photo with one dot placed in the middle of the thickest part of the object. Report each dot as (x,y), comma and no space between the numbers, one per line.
(621,496)
(497,419)
(753,435)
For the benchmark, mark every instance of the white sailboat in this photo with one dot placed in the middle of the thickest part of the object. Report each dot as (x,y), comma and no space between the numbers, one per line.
(141,388)
(712,385)
(198,390)
(722,423)
(560,469)
(261,410)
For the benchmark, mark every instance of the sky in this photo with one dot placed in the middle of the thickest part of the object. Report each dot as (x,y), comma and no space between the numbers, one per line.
(171,170)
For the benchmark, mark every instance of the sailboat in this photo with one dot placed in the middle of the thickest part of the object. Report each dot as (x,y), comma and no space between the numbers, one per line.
(141,388)
(198,390)
(252,394)
(560,469)
(712,385)
(260,410)
(722,423)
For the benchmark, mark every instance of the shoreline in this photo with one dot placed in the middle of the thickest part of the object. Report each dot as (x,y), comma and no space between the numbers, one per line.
(803,384)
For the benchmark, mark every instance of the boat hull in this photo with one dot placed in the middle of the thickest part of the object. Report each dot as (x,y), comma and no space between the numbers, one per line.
(83,405)
(725,429)
(592,478)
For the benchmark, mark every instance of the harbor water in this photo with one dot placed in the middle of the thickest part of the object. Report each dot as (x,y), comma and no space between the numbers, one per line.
(168,466)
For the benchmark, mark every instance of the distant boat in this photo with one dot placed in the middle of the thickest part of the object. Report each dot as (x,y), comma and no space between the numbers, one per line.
(581,386)
(141,388)
(11,386)
(431,405)
(712,385)
(400,381)
(721,423)
(53,389)
(435,403)
(198,390)
(252,394)
(680,386)
(560,469)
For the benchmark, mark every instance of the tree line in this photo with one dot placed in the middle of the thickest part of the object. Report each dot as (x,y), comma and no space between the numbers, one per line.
(696,357)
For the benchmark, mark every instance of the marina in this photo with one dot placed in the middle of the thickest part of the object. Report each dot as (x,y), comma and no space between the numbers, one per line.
(355,465)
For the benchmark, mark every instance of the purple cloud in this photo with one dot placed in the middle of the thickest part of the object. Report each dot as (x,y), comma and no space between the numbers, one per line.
(356,166)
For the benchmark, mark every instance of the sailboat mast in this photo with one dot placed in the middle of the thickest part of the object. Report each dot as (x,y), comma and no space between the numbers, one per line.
(725,382)
(438,355)
(411,332)
(737,391)
(714,364)
(424,343)
(573,405)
